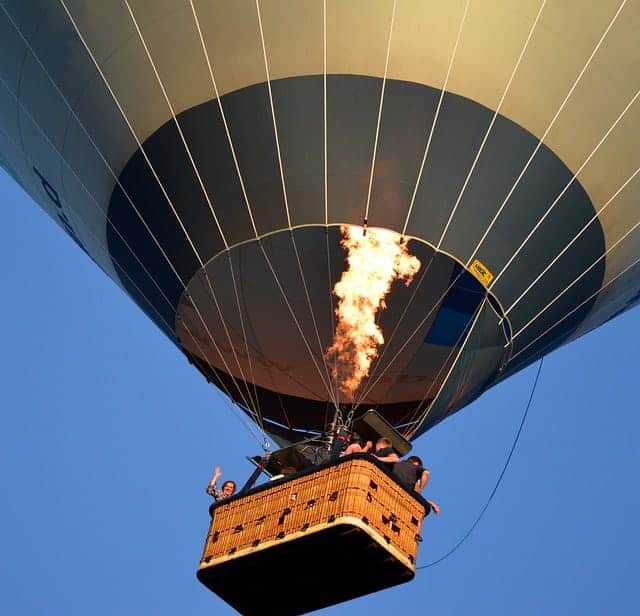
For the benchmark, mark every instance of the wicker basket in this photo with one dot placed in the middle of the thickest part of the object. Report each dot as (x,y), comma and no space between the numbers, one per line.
(344,530)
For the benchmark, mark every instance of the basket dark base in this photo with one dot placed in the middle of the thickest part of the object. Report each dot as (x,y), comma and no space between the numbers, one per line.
(299,575)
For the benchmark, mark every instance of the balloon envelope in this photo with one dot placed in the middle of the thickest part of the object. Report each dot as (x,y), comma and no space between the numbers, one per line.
(205,155)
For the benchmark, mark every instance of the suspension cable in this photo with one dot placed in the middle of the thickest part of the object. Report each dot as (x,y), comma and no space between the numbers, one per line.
(415,191)
(205,193)
(575,238)
(565,189)
(597,292)
(421,419)
(369,387)
(500,209)
(160,185)
(559,295)
(105,162)
(334,369)
(547,130)
(413,417)
(226,396)
(243,187)
(498,481)
(286,202)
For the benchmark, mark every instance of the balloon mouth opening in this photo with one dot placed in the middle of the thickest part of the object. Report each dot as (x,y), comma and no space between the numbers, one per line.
(250,323)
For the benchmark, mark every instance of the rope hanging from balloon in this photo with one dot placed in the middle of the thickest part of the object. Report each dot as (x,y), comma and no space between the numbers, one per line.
(500,476)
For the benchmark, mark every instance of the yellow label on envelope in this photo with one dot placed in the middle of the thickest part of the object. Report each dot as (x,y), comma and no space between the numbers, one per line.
(481,272)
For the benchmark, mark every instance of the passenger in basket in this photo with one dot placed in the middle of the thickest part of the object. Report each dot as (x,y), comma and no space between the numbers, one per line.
(228,487)
(414,476)
(356,446)
(411,473)
(384,452)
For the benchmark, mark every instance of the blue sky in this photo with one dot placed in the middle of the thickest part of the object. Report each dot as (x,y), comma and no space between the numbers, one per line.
(108,439)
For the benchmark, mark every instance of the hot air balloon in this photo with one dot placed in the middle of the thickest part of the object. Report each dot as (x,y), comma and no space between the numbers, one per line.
(210,157)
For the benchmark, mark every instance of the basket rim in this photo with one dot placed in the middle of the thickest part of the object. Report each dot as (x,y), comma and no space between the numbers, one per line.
(365,457)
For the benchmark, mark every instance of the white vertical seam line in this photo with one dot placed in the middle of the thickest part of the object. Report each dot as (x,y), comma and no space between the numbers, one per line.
(546,132)
(177,124)
(284,193)
(624,271)
(491,124)
(202,187)
(435,117)
(584,228)
(224,119)
(421,419)
(273,115)
(133,133)
(144,154)
(242,187)
(564,190)
(375,141)
(594,51)
(240,179)
(559,295)
(87,227)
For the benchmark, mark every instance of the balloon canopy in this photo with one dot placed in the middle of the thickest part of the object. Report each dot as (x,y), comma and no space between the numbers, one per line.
(208,156)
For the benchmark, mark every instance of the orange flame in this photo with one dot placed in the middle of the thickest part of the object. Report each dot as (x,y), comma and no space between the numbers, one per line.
(375,260)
